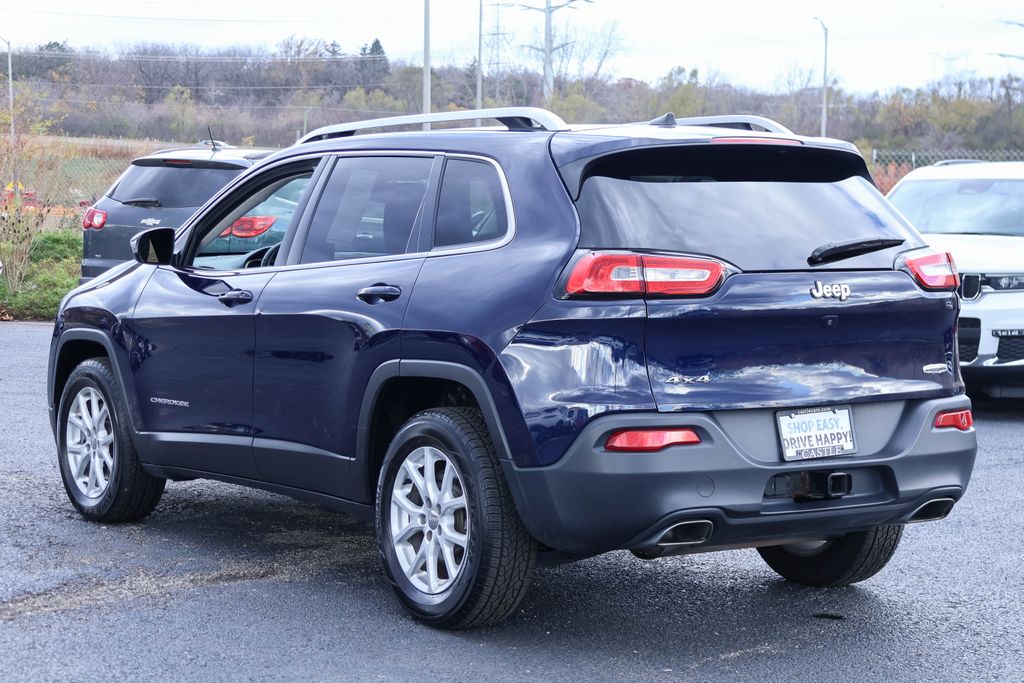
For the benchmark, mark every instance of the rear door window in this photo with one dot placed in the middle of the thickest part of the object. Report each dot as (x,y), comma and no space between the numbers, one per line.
(471,205)
(758,210)
(369,207)
(171,186)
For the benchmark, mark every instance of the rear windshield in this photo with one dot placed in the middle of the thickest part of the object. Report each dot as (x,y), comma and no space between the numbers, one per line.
(171,186)
(760,212)
(982,207)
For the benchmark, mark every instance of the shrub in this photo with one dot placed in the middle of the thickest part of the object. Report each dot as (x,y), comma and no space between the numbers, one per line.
(45,284)
(57,245)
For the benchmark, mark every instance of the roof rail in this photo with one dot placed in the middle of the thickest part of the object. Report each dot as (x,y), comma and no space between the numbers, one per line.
(741,121)
(514,118)
(957,162)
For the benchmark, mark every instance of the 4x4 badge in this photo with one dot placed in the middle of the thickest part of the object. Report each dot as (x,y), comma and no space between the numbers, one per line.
(840,291)
(681,379)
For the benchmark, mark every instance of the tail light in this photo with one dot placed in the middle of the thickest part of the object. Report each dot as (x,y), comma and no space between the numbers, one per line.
(932,270)
(599,273)
(249,226)
(956,419)
(650,440)
(94,218)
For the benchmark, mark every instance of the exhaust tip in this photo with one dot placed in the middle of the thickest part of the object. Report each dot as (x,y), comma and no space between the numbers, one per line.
(932,511)
(686,533)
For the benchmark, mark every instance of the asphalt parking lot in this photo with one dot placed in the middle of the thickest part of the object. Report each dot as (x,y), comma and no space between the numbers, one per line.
(227,583)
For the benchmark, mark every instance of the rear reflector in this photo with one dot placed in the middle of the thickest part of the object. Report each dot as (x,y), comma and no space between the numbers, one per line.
(649,440)
(94,218)
(249,226)
(599,273)
(957,419)
(933,270)
(736,140)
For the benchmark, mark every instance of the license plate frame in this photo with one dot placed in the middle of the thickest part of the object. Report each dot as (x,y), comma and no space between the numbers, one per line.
(798,443)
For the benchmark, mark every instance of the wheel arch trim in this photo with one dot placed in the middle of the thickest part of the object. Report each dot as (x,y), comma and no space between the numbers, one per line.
(427,369)
(98,337)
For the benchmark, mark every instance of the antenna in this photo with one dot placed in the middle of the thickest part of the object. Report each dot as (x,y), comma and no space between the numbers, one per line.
(213,142)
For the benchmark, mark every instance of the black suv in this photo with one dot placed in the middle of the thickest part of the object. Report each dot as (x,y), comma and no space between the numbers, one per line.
(164,189)
(536,341)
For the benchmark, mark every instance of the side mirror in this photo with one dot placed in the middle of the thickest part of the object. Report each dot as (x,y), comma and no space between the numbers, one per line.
(154,246)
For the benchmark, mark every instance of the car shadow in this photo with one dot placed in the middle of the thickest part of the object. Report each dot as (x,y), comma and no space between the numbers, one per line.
(688,611)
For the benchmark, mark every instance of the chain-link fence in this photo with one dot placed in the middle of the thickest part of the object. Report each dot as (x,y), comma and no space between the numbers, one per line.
(66,174)
(87,167)
(889,165)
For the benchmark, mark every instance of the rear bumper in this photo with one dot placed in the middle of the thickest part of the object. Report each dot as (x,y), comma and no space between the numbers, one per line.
(594,500)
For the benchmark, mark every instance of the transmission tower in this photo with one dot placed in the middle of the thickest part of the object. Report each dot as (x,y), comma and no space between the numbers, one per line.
(549,48)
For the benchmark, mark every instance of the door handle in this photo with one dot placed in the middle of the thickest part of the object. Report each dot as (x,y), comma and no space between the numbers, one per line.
(235,297)
(378,293)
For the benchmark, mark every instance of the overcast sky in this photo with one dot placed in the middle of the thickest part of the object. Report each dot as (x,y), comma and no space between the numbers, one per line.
(873,45)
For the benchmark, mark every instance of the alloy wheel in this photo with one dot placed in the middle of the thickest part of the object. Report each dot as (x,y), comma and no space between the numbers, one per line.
(429,517)
(89,442)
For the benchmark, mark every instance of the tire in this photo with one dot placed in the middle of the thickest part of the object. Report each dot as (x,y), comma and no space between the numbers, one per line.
(839,562)
(110,484)
(490,574)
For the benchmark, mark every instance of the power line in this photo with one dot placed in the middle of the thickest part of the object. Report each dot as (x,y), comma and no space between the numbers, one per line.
(232,20)
(100,103)
(254,59)
(202,58)
(225,87)
(225,20)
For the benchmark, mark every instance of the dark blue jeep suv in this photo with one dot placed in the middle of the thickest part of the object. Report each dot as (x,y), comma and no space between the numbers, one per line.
(536,341)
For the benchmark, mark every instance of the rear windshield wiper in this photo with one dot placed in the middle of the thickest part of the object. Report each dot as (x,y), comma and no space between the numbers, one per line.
(142,201)
(837,251)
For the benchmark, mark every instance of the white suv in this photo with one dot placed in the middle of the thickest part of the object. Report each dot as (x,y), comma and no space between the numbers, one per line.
(975,210)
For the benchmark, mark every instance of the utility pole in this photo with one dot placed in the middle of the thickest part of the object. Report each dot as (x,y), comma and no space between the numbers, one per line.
(426,60)
(480,60)
(824,81)
(10,102)
(549,48)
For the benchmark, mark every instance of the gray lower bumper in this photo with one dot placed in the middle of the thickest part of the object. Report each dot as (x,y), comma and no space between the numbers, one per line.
(593,500)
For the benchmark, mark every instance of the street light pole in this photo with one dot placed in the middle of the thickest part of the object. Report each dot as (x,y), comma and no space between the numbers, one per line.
(549,50)
(426,60)
(10,102)
(480,60)
(824,81)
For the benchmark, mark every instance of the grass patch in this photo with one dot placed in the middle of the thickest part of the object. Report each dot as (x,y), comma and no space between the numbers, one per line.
(55,265)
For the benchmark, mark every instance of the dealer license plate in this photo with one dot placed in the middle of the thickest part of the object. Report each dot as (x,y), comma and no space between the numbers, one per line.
(815,433)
